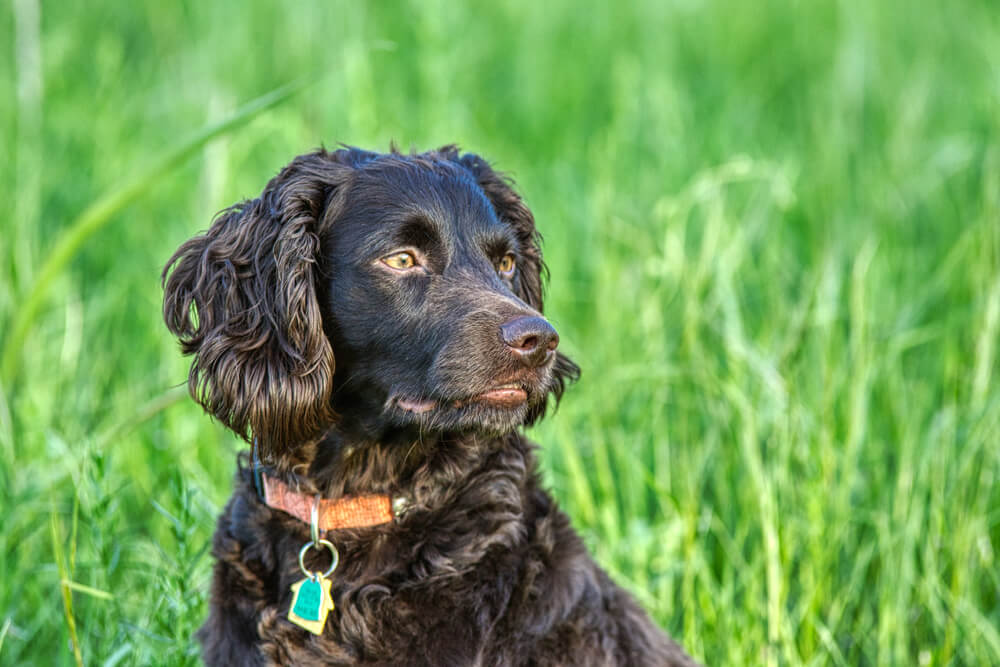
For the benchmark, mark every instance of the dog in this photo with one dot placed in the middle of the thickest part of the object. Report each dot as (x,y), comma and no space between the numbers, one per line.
(372,325)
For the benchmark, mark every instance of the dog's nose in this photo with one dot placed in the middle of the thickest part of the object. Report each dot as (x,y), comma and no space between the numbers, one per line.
(532,339)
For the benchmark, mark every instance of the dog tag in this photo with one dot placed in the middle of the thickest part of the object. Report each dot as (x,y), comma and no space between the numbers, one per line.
(311,602)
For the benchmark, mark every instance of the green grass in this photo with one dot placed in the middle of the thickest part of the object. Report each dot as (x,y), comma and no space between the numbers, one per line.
(774,236)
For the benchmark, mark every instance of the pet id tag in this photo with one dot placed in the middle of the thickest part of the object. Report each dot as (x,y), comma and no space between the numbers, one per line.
(311,599)
(311,602)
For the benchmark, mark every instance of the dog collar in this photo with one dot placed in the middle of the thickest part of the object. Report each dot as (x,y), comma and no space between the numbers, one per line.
(347,512)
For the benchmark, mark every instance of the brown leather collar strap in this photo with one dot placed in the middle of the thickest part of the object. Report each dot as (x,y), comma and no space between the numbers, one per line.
(348,512)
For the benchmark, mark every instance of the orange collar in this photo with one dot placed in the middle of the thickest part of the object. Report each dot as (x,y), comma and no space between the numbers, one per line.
(347,512)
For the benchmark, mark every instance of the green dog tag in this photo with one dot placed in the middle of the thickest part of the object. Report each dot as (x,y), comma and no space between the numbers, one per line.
(311,603)
(308,601)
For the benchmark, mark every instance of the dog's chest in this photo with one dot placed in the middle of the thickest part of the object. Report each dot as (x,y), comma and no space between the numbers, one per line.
(436,608)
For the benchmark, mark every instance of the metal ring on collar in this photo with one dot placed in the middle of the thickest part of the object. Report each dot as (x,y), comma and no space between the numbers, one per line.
(334,554)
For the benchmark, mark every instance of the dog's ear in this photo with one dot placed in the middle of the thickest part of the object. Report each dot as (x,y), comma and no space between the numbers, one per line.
(242,299)
(510,208)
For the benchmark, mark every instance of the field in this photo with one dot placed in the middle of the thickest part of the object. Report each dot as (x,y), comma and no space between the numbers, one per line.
(773,230)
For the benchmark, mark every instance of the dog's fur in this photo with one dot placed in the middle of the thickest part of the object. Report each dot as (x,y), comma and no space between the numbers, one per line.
(482,568)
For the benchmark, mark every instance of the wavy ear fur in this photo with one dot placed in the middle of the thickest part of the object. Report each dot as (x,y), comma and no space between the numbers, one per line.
(242,299)
(510,208)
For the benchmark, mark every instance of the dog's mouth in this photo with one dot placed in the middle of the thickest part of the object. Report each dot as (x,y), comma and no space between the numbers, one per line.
(509,395)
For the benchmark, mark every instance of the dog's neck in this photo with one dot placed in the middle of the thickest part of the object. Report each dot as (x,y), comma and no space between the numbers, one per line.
(405,464)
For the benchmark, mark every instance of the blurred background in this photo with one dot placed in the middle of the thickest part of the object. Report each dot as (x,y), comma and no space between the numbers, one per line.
(774,242)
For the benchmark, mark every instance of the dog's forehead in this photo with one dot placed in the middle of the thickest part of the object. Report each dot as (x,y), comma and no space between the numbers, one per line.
(445,196)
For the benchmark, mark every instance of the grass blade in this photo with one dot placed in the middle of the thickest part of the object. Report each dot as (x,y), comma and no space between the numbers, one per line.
(67,596)
(89,590)
(3,632)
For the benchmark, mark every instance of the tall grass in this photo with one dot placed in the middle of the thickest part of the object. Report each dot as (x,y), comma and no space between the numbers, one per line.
(774,236)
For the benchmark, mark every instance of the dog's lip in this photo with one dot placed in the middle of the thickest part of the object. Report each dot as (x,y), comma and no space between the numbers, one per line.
(511,394)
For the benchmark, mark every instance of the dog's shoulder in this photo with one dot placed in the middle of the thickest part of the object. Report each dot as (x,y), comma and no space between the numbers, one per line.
(565,605)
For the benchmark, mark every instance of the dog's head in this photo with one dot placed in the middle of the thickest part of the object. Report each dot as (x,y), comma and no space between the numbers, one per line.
(420,275)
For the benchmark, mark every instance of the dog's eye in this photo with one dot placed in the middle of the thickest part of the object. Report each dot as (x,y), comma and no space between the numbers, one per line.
(400,261)
(506,266)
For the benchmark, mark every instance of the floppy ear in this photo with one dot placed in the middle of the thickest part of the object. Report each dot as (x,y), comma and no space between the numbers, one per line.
(510,208)
(242,299)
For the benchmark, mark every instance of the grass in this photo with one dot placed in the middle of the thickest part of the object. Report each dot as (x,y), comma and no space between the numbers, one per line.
(774,236)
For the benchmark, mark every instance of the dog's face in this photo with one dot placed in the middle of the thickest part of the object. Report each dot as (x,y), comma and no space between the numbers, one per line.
(388,291)
(425,301)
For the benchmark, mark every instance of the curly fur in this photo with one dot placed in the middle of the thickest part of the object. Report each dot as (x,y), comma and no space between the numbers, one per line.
(482,569)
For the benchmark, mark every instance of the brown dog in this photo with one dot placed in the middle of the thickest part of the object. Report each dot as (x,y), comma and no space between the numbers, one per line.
(373,323)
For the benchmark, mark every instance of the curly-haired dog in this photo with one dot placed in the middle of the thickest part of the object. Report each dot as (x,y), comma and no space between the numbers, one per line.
(373,324)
